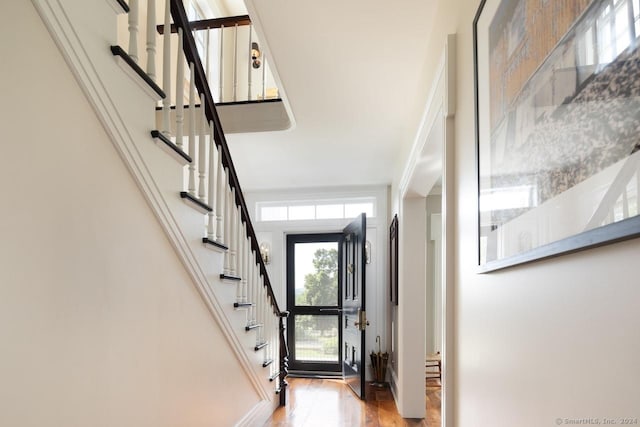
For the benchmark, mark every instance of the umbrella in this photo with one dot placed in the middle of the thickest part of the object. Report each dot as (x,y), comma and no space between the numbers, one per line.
(379,362)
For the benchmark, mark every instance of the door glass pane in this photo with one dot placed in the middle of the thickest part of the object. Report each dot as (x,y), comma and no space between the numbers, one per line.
(316,274)
(316,338)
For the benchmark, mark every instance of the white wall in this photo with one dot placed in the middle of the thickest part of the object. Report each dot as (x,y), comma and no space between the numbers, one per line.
(377,230)
(100,325)
(552,339)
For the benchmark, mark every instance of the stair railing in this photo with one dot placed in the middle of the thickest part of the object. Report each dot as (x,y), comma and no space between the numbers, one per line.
(211,182)
(239,68)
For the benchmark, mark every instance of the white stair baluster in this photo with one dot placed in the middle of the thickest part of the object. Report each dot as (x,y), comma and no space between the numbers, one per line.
(267,354)
(192,130)
(259,316)
(264,76)
(207,55)
(235,63)
(276,346)
(212,187)
(133,29)
(239,237)
(151,39)
(263,311)
(239,270)
(250,64)
(267,338)
(262,303)
(250,288)
(227,223)
(220,200)
(233,233)
(166,70)
(256,278)
(273,346)
(245,268)
(202,152)
(220,65)
(242,262)
(180,92)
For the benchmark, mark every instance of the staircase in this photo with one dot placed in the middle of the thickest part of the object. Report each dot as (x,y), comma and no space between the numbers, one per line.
(182,165)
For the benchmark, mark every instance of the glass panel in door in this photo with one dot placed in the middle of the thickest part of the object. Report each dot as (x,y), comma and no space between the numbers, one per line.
(313,299)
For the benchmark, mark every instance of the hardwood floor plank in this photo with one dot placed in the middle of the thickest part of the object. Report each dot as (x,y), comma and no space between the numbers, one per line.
(330,402)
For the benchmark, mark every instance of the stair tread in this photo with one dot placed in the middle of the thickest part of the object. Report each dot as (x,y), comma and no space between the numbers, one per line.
(215,245)
(274,376)
(228,277)
(175,151)
(260,346)
(254,326)
(116,50)
(198,204)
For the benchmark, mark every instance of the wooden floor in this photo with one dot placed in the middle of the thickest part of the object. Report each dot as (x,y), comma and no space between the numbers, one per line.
(329,403)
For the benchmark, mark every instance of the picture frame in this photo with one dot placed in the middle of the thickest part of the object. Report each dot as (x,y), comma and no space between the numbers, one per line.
(393,260)
(557,108)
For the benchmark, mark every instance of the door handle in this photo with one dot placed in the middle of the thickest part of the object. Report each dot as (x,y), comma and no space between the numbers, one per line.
(362,322)
(333,310)
(357,324)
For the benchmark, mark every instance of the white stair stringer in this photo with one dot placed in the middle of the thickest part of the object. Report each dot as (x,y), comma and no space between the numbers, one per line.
(83,33)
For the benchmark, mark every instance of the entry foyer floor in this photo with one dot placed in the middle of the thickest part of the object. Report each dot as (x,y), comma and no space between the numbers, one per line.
(330,403)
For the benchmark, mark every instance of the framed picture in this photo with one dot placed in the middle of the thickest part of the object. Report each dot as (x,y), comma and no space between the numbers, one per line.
(557,126)
(393,260)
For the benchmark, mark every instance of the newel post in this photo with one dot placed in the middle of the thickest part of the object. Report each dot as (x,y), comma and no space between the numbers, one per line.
(284,359)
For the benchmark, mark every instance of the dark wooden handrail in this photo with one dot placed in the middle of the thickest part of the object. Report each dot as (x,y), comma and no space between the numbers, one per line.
(205,24)
(191,53)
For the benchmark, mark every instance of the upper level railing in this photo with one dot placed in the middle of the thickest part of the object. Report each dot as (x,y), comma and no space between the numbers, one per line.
(235,65)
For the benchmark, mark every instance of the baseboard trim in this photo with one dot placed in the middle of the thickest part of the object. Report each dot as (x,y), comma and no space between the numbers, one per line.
(259,414)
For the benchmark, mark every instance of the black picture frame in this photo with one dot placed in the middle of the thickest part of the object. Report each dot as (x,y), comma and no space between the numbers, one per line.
(556,111)
(393,260)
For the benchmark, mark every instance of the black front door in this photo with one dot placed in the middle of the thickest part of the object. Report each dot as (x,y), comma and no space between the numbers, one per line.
(313,300)
(353,305)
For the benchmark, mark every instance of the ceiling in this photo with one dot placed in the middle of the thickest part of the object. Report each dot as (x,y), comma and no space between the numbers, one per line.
(352,74)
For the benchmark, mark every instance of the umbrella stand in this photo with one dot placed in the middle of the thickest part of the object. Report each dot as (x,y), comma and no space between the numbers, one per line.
(379,363)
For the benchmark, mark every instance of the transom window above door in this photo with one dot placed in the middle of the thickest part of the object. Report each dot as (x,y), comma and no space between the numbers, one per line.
(315,210)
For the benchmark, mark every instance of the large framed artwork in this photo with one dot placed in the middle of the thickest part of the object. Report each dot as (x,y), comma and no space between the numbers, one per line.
(557,126)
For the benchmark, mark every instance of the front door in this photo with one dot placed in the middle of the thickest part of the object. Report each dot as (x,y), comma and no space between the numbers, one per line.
(354,319)
(313,300)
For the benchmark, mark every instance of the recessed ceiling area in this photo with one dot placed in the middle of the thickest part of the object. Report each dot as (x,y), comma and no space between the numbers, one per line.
(353,77)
